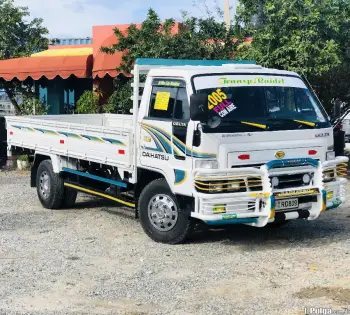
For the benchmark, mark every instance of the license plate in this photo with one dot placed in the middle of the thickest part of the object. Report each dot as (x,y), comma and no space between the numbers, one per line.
(287,204)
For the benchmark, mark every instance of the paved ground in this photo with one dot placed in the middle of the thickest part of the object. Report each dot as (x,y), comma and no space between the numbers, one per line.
(95,259)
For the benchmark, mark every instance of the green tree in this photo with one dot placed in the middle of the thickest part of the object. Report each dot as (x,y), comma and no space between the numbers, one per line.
(203,38)
(306,36)
(18,38)
(194,38)
(297,35)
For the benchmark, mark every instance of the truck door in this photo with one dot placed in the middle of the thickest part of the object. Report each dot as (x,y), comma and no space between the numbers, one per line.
(164,134)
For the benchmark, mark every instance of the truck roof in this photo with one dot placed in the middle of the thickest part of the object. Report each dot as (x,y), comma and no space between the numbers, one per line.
(188,68)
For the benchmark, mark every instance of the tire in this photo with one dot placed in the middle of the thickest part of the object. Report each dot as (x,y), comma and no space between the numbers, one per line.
(170,225)
(70,196)
(50,188)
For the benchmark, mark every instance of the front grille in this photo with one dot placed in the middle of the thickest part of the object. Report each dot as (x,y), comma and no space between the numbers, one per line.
(289,181)
(255,184)
(247,165)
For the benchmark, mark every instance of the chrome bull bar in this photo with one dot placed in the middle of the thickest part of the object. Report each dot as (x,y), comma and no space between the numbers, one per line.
(245,195)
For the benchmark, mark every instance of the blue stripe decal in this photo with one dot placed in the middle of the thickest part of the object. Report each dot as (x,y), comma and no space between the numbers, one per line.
(177,143)
(335,205)
(291,162)
(98,178)
(165,144)
(180,176)
(156,141)
(113,141)
(158,144)
(232,221)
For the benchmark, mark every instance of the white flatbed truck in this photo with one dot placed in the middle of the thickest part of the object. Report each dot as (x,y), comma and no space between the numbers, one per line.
(221,142)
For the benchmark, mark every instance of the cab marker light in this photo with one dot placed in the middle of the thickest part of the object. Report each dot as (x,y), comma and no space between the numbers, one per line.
(312,152)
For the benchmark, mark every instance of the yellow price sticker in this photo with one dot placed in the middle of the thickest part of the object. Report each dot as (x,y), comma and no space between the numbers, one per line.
(216,98)
(162,101)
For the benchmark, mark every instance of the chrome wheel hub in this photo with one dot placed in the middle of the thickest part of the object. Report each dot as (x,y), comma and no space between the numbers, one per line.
(162,212)
(44,186)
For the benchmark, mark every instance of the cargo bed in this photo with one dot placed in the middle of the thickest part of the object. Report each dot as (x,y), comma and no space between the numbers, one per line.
(100,138)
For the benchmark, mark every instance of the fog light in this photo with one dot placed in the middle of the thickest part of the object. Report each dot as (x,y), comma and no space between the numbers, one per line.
(215,188)
(219,209)
(306,179)
(234,186)
(275,182)
(330,195)
(328,175)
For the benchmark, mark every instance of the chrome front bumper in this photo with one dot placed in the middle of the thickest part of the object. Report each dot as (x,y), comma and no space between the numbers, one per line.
(258,208)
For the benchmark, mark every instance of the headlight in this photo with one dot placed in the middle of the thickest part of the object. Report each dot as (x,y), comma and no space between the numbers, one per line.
(208,164)
(213,188)
(330,156)
(328,175)
(234,186)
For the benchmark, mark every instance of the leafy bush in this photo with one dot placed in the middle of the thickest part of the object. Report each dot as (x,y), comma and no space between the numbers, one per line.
(87,103)
(23,158)
(30,105)
(119,101)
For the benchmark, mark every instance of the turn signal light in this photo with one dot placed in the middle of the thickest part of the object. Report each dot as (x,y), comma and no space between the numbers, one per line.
(244,157)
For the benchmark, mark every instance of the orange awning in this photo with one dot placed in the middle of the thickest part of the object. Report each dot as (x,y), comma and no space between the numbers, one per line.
(106,64)
(49,67)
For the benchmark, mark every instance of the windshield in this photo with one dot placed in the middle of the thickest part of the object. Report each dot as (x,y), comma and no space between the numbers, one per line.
(258,103)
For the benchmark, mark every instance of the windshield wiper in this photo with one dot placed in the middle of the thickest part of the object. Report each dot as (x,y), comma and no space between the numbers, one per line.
(302,122)
(253,124)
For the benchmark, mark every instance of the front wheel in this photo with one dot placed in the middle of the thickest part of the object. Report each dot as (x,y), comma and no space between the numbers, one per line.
(160,215)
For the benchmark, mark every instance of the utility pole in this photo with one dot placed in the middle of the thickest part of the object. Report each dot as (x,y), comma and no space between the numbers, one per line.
(227,14)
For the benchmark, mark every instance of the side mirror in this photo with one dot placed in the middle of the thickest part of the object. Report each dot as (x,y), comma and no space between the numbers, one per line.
(337,109)
(199,107)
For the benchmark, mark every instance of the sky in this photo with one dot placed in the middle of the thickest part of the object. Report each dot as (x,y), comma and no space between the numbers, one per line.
(75,18)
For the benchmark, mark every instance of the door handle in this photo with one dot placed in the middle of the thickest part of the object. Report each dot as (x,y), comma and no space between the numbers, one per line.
(180,157)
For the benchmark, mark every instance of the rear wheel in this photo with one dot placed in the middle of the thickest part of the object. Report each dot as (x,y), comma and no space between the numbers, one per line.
(160,215)
(50,186)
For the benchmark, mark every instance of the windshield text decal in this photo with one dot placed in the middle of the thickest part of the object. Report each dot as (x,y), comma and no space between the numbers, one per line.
(256,80)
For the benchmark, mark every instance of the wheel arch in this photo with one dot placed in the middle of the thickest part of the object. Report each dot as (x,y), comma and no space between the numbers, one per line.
(38,158)
(146,176)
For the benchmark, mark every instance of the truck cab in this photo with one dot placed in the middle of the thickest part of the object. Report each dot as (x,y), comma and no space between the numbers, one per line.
(245,144)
